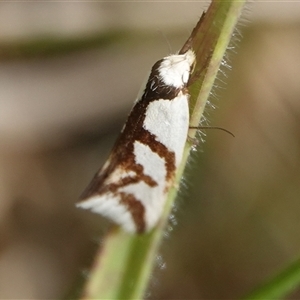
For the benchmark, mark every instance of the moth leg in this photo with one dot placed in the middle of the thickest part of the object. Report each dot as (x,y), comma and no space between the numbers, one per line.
(193,141)
(175,185)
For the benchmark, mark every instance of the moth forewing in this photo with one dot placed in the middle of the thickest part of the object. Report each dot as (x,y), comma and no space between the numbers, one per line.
(131,188)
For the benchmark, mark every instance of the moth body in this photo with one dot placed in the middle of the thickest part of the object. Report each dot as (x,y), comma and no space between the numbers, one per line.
(131,188)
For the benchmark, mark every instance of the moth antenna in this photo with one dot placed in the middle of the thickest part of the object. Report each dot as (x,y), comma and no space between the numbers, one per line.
(166,40)
(212,127)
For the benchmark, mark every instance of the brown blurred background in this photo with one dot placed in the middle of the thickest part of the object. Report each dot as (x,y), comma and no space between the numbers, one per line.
(69,73)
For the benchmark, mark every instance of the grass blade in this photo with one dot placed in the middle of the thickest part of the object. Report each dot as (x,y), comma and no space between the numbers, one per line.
(280,286)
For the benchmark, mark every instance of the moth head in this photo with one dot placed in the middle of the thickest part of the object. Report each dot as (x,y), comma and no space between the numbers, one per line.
(175,70)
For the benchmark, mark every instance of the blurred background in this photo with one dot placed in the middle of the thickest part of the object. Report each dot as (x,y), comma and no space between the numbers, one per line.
(69,73)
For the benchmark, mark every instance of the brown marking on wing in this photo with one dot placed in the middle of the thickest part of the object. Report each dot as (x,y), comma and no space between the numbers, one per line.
(122,155)
(136,209)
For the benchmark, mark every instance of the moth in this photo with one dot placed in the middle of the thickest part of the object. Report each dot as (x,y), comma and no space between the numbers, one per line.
(131,188)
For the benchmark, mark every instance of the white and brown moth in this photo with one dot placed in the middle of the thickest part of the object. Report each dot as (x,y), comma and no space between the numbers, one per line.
(131,188)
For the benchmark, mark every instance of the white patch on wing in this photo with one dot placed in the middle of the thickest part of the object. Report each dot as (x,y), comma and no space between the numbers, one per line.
(168,120)
(109,206)
(153,164)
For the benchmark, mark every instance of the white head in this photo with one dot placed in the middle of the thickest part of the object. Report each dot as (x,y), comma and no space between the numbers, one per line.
(175,69)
